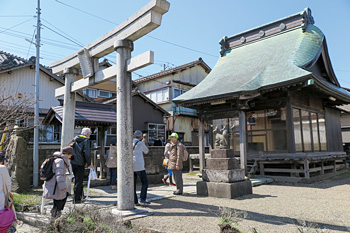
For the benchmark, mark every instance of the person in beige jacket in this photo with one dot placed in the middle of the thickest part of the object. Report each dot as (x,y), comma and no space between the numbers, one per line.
(56,187)
(111,163)
(177,150)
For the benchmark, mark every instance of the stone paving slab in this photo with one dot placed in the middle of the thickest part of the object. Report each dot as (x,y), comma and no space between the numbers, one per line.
(104,197)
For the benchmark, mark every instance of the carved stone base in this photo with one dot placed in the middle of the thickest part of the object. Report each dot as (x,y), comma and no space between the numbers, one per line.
(222,153)
(224,190)
(222,163)
(223,176)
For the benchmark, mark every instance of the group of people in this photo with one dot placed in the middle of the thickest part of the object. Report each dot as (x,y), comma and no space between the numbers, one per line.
(71,162)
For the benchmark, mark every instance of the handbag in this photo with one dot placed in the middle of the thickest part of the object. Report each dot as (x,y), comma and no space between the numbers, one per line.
(93,175)
(7,218)
(165,162)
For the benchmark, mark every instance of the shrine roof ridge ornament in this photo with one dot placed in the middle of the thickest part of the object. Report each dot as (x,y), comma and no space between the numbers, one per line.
(298,20)
(142,22)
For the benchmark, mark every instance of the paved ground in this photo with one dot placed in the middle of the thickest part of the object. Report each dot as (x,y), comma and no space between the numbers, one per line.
(25,228)
(271,208)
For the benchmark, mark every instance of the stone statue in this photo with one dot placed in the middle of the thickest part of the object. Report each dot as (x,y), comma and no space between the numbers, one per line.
(220,137)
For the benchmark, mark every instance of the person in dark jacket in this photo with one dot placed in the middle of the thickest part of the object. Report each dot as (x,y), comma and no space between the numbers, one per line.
(81,145)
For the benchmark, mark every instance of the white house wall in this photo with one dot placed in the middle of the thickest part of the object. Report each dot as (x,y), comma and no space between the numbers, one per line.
(192,75)
(23,81)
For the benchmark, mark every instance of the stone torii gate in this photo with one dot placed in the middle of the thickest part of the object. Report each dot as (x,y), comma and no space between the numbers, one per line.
(119,39)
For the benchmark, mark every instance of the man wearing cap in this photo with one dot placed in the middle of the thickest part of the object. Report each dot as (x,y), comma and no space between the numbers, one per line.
(175,161)
(81,146)
(56,187)
(139,149)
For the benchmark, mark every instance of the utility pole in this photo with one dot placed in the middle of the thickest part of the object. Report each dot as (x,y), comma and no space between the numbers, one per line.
(36,111)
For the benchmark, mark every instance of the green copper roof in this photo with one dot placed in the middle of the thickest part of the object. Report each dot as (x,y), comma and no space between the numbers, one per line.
(260,64)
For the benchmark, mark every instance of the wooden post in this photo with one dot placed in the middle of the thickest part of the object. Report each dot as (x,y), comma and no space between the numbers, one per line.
(101,142)
(261,164)
(201,145)
(210,128)
(243,140)
(306,169)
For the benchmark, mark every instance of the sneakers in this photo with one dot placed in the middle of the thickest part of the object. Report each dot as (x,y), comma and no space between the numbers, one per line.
(144,203)
(164,181)
(172,184)
(177,193)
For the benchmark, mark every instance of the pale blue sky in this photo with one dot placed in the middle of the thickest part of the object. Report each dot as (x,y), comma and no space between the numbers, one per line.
(195,24)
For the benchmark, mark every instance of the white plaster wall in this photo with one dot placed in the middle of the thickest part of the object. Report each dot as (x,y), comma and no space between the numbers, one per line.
(23,81)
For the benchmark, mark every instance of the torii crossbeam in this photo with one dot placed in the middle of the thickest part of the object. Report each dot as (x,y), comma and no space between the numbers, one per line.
(120,39)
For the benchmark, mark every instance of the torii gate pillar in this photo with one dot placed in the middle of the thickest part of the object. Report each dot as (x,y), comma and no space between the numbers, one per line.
(124,126)
(68,107)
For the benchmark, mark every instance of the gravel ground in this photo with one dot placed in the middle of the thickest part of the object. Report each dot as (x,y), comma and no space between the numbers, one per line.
(25,228)
(271,208)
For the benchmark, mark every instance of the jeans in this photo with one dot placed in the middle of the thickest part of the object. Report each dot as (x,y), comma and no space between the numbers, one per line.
(113,176)
(144,181)
(178,181)
(78,172)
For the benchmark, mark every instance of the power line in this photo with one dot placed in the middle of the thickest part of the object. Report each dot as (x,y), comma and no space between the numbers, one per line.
(27,34)
(16,25)
(85,12)
(22,46)
(62,35)
(16,16)
(194,50)
(30,44)
(168,42)
(62,32)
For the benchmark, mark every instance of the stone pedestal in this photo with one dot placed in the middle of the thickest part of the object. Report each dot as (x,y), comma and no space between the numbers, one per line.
(223,176)
(224,190)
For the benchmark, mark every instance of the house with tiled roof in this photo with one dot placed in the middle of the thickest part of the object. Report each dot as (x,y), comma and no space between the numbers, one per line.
(164,86)
(17,78)
(273,99)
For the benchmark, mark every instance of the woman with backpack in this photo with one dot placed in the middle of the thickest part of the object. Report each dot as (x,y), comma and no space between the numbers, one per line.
(56,187)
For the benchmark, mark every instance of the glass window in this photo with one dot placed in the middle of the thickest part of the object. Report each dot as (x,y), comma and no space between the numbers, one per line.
(256,120)
(176,93)
(322,129)
(306,130)
(256,143)
(104,94)
(315,131)
(277,140)
(156,134)
(297,130)
(92,93)
(165,93)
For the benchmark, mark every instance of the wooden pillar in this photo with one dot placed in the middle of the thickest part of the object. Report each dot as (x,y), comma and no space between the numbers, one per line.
(211,137)
(101,142)
(306,169)
(243,140)
(201,145)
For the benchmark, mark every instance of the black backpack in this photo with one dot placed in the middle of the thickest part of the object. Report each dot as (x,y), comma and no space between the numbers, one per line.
(46,172)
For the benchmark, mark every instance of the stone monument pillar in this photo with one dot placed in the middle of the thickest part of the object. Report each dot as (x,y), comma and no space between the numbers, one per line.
(223,176)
